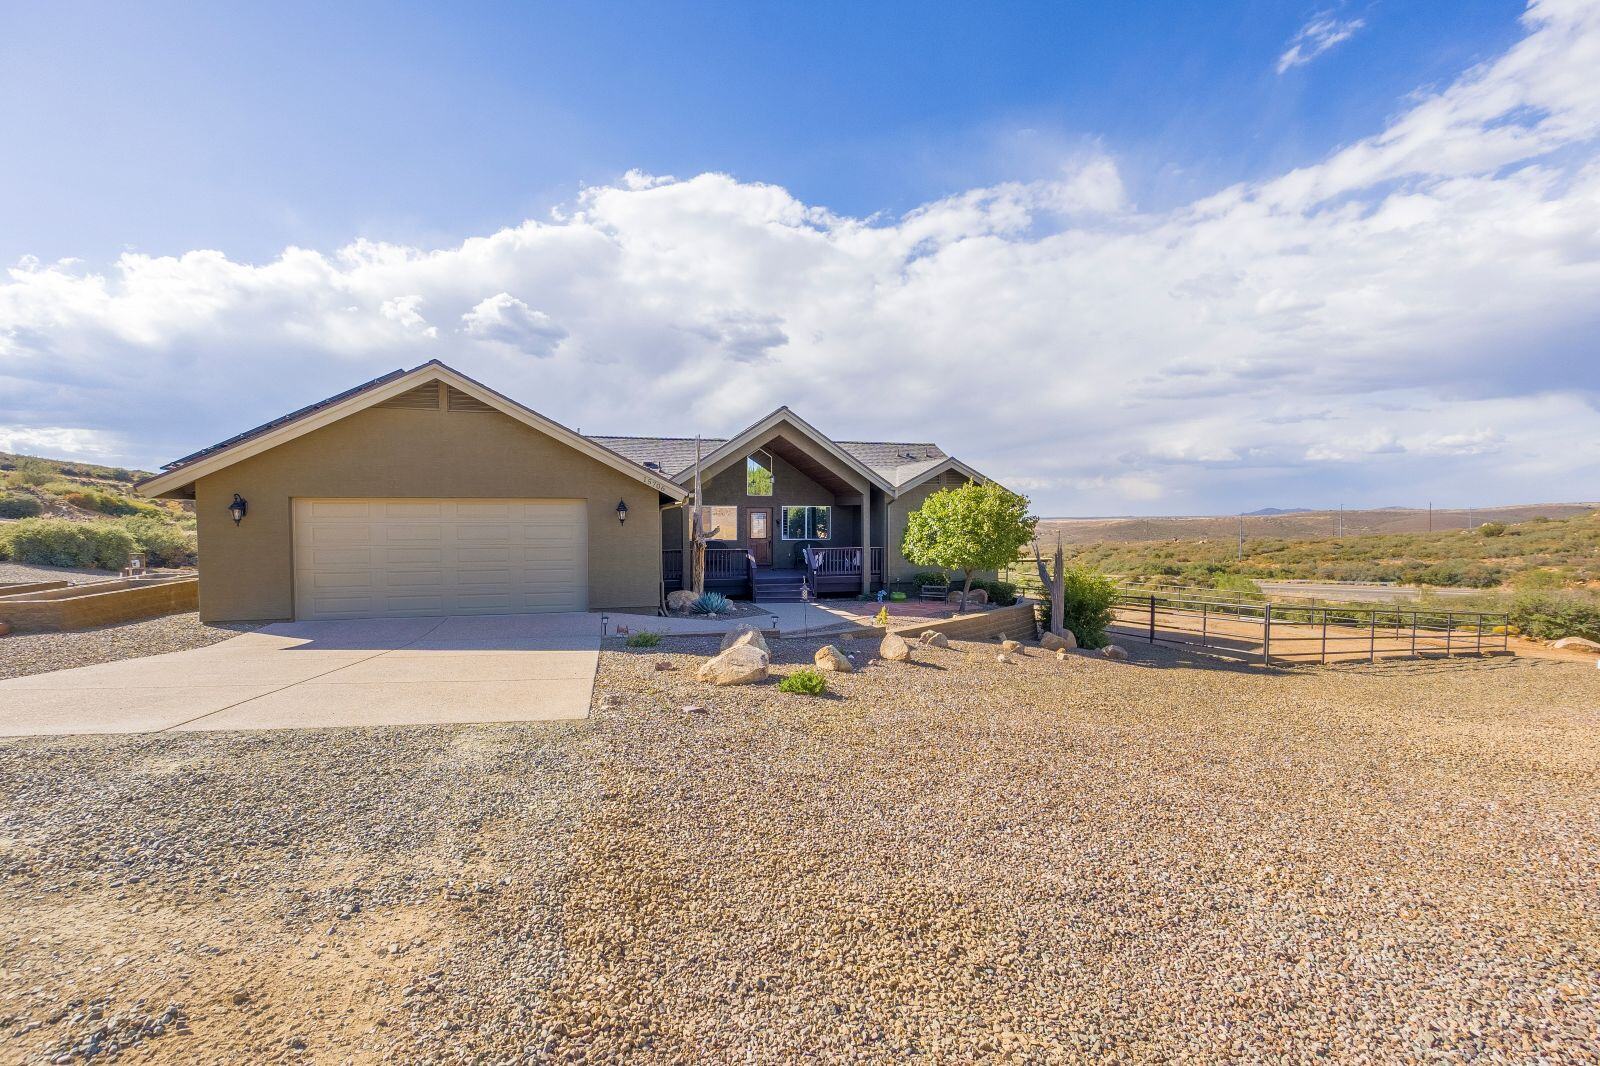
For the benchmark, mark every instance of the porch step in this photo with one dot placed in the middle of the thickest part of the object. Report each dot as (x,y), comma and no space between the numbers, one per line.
(779,591)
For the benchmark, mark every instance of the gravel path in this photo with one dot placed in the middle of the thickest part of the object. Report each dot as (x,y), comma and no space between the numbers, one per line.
(953,859)
(38,653)
(18,572)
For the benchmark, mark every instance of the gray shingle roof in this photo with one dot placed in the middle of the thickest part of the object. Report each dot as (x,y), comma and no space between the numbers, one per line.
(896,461)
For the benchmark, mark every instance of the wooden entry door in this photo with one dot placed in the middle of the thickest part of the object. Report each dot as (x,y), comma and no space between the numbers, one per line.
(761,535)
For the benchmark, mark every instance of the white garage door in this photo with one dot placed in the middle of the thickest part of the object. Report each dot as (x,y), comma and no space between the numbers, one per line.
(386,558)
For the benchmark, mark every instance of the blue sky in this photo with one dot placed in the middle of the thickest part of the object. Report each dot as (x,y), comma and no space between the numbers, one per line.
(1128,219)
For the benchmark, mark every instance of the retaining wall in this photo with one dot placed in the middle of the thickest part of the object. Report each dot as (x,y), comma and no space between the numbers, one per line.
(17,588)
(1015,622)
(57,609)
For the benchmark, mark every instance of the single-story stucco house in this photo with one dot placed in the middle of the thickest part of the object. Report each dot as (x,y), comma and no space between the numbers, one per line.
(424,492)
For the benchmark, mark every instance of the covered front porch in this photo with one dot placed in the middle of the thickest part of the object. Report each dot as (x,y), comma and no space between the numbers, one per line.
(787,515)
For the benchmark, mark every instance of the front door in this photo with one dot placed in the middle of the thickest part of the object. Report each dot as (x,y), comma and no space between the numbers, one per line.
(761,535)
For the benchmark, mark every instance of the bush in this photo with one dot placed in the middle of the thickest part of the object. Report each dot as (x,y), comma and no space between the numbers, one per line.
(930,577)
(16,505)
(163,542)
(1493,529)
(33,472)
(1087,606)
(711,603)
(644,640)
(1551,615)
(1001,593)
(805,681)
(91,499)
(1235,583)
(57,542)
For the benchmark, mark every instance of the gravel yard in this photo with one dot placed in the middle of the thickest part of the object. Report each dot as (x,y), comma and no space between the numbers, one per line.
(38,653)
(954,858)
(19,572)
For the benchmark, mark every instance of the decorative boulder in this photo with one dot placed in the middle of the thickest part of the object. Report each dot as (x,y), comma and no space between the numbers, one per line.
(680,599)
(745,635)
(932,638)
(743,664)
(1003,658)
(1114,651)
(830,657)
(1063,641)
(975,598)
(1580,643)
(894,649)
(1011,647)
(1061,655)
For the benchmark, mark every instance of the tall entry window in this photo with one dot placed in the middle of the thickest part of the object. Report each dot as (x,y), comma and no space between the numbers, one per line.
(807,523)
(758,475)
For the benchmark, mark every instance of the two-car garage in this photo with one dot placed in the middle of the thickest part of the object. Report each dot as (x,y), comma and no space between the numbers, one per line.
(382,558)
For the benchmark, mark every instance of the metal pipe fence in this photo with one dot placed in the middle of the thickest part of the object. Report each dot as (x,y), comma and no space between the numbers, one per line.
(1288,633)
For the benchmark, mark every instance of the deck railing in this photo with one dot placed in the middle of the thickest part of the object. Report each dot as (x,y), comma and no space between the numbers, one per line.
(720,563)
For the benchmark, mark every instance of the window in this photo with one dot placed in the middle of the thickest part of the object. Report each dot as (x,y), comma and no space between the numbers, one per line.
(758,475)
(807,523)
(721,522)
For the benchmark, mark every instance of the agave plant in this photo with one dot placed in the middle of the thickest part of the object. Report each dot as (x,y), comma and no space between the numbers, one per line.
(710,603)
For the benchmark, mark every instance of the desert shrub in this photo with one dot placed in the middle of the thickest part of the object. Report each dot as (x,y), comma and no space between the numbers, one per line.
(1236,583)
(930,577)
(57,542)
(33,472)
(1001,593)
(1538,580)
(17,505)
(108,503)
(1550,615)
(1493,529)
(711,603)
(1086,607)
(166,544)
(805,681)
(645,639)
(118,473)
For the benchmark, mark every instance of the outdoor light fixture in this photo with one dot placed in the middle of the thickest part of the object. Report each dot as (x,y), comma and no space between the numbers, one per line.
(622,510)
(237,508)
(605,621)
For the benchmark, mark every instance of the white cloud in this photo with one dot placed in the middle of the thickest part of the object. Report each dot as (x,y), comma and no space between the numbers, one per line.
(1413,314)
(507,320)
(1316,37)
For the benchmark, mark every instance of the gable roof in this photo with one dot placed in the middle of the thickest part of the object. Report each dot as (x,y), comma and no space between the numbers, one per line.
(183,472)
(902,464)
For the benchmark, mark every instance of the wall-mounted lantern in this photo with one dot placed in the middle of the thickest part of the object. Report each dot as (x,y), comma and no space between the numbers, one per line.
(622,510)
(237,508)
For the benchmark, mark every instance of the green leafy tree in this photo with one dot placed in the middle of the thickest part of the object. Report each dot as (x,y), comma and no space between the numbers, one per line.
(970,528)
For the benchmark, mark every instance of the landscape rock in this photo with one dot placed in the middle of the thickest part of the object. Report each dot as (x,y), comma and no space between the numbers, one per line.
(975,598)
(1061,655)
(1580,643)
(1063,641)
(680,599)
(745,635)
(932,638)
(830,657)
(1115,651)
(741,664)
(1011,647)
(894,649)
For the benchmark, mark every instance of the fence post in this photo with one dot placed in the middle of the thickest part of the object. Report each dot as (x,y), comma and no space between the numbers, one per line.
(1152,619)
(1449,631)
(1266,636)
(1505,633)
(1479,643)
(1324,636)
(1413,634)
(1372,640)
(1205,618)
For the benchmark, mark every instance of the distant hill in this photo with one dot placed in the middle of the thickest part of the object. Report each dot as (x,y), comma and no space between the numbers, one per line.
(1294,524)
(1265,511)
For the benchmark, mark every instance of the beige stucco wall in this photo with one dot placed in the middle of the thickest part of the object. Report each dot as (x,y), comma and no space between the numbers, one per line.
(248,571)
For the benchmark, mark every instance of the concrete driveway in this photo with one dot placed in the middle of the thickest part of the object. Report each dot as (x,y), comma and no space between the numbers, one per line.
(302,675)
